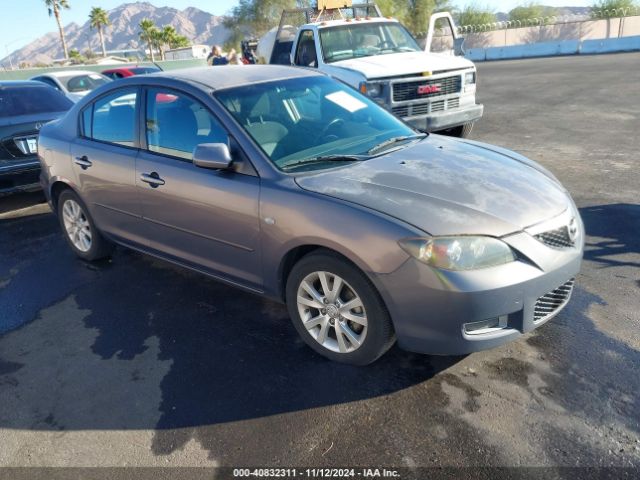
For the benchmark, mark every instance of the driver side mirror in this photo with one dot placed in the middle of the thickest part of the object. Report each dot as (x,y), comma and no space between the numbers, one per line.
(213,156)
(458,47)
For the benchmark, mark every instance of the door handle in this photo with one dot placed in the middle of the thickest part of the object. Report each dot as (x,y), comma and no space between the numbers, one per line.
(152,179)
(83,161)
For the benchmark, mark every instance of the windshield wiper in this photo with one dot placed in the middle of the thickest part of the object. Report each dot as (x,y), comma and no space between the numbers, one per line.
(394,140)
(326,158)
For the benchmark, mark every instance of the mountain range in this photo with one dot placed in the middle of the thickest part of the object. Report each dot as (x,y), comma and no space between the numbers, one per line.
(198,26)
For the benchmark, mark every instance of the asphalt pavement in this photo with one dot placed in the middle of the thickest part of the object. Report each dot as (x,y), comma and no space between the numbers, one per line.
(134,362)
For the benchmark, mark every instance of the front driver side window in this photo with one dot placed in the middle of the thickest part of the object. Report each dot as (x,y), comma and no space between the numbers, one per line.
(176,124)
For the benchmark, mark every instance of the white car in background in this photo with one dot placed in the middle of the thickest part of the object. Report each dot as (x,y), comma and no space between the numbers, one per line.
(75,84)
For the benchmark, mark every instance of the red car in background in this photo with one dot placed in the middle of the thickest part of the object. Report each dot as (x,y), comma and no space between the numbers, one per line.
(123,72)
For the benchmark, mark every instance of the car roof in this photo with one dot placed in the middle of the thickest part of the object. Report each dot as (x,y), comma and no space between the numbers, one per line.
(68,73)
(22,83)
(221,77)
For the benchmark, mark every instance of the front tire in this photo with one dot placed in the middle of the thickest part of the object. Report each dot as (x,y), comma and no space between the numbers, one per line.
(463,131)
(79,230)
(337,311)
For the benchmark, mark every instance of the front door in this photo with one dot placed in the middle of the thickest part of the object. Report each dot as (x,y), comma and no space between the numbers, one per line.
(104,158)
(207,219)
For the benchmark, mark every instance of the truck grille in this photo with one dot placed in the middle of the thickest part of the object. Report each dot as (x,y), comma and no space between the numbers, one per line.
(407,91)
(552,302)
(558,238)
(404,111)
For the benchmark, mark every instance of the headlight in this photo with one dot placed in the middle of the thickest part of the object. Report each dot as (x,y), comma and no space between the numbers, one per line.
(459,253)
(470,78)
(373,90)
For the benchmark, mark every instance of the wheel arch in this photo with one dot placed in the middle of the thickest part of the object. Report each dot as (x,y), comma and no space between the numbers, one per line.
(56,189)
(295,254)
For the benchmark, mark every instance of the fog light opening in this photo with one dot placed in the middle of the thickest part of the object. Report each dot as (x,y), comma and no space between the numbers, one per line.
(484,327)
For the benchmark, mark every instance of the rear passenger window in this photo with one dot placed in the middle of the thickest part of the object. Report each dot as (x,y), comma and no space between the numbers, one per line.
(176,124)
(112,118)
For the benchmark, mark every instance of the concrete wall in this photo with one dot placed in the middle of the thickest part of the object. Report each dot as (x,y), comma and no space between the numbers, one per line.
(549,49)
(560,32)
(32,72)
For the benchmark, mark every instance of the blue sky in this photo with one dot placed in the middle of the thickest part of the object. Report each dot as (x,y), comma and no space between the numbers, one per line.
(27,22)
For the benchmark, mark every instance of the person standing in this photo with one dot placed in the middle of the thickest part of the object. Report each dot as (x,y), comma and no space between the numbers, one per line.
(218,58)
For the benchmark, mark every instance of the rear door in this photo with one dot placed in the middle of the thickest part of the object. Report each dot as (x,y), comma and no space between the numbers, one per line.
(104,157)
(204,218)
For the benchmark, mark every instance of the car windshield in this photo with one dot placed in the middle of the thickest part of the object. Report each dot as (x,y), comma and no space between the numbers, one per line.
(31,99)
(313,122)
(365,39)
(82,83)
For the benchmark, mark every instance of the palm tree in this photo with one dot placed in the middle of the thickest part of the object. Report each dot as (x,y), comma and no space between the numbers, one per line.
(168,37)
(148,34)
(54,7)
(180,41)
(98,18)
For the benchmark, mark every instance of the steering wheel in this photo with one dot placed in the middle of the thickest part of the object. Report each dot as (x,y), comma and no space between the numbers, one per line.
(333,124)
(386,43)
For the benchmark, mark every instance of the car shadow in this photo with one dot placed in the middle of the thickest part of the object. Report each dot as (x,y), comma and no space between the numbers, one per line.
(614,234)
(16,201)
(136,343)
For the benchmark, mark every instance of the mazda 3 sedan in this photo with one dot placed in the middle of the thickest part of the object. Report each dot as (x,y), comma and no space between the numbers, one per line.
(291,185)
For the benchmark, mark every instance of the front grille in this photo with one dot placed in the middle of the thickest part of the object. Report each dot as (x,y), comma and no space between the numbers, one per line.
(401,111)
(552,302)
(437,106)
(406,91)
(426,108)
(558,238)
(421,109)
(453,103)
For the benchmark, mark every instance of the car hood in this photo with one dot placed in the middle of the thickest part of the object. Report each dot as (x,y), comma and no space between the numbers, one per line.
(445,186)
(75,96)
(407,63)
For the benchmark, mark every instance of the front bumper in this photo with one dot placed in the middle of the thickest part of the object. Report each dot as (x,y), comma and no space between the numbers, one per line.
(20,176)
(447,119)
(430,307)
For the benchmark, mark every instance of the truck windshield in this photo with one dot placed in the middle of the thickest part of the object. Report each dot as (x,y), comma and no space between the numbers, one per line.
(313,122)
(365,39)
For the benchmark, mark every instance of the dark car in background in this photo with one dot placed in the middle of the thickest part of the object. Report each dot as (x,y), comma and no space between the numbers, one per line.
(25,106)
(124,72)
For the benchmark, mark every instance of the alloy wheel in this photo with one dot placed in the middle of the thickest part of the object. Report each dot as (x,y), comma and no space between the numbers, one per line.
(332,312)
(76,225)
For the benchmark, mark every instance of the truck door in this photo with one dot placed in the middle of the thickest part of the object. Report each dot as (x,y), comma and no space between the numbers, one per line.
(442,36)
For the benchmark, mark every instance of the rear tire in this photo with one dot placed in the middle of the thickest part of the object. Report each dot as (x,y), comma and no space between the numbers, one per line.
(337,311)
(79,229)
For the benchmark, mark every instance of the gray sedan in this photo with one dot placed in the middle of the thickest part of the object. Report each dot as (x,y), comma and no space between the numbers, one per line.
(291,185)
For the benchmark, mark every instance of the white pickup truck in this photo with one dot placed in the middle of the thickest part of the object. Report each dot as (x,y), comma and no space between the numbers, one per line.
(378,56)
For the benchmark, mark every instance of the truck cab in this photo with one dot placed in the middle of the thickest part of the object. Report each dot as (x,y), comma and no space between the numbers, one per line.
(379,57)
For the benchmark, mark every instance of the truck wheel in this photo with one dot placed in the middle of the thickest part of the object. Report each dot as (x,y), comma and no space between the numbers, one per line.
(337,311)
(462,131)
